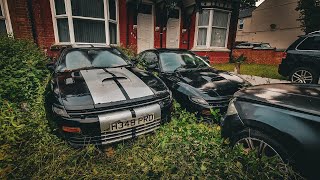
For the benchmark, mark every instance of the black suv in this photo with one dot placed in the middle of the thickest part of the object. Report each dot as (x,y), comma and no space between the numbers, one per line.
(301,62)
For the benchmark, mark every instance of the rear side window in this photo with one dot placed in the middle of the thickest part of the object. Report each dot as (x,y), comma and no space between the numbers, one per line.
(311,43)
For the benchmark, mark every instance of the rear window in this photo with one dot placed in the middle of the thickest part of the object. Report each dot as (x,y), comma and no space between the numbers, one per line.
(311,43)
(295,44)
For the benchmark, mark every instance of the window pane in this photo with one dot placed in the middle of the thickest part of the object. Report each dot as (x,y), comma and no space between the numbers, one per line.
(312,43)
(89,31)
(60,8)
(63,30)
(220,19)
(3,29)
(202,36)
(204,18)
(112,9)
(113,33)
(218,37)
(88,8)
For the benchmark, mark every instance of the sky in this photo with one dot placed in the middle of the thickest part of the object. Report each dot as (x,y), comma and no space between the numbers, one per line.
(259,2)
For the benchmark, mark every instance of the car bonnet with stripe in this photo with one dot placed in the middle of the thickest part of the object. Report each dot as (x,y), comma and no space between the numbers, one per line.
(87,89)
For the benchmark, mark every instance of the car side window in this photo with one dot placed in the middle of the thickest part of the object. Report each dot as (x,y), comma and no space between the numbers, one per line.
(311,43)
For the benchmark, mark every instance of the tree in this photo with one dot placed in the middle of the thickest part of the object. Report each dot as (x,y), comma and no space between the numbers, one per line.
(309,15)
(248,3)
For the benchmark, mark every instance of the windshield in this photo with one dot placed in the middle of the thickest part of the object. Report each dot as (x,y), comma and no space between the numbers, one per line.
(171,61)
(89,58)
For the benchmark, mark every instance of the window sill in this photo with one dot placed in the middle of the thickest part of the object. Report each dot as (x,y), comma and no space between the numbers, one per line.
(211,49)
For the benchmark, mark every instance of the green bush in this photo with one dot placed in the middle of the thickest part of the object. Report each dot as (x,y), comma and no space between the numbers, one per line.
(22,71)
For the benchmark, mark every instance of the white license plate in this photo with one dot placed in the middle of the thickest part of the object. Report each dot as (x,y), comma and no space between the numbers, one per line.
(121,125)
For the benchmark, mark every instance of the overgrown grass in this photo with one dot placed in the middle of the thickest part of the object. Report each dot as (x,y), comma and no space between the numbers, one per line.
(268,71)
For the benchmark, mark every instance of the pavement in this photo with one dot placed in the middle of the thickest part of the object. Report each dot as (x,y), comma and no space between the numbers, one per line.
(256,80)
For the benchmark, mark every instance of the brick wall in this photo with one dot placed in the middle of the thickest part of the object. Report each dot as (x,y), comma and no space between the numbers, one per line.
(215,57)
(20,21)
(271,57)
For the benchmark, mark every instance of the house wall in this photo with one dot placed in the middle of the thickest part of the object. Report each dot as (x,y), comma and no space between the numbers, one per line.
(20,21)
(283,14)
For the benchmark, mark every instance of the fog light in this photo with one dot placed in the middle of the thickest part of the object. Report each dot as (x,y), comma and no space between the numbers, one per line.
(71,129)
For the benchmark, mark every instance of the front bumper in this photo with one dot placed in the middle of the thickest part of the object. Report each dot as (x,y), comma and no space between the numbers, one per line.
(97,130)
(231,125)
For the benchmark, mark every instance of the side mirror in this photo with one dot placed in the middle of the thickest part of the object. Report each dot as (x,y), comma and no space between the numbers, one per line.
(134,61)
(152,67)
(51,65)
(206,58)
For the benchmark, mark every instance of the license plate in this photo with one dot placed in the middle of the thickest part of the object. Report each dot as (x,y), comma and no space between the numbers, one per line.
(121,125)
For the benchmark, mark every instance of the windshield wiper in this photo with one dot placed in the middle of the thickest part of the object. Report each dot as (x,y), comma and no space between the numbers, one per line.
(83,68)
(179,68)
(125,65)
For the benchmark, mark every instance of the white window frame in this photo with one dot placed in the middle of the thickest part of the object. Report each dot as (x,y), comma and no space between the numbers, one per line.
(6,15)
(70,18)
(209,31)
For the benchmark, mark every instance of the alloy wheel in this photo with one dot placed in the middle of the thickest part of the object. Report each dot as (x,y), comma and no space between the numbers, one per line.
(262,147)
(302,76)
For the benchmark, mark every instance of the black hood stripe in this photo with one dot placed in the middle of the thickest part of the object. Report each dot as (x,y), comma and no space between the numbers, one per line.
(115,79)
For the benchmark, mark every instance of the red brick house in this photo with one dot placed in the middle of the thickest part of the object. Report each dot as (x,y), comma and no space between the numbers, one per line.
(207,27)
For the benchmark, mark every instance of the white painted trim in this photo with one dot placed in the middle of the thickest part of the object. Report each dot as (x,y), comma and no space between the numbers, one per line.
(179,36)
(70,18)
(209,30)
(6,15)
(152,24)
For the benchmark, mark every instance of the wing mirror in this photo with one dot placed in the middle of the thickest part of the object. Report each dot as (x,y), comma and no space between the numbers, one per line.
(152,67)
(51,65)
(206,59)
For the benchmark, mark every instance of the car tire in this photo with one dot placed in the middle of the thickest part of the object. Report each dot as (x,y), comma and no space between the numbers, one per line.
(260,139)
(305,75)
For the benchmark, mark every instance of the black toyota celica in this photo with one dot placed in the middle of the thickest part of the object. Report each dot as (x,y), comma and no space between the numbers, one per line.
(99,97)
(194,83)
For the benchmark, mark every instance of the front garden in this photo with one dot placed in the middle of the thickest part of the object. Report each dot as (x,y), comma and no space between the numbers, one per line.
(181,149)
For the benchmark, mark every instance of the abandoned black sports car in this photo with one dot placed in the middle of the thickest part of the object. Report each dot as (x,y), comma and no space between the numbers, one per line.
(281,120)
(194,83)
(100,98)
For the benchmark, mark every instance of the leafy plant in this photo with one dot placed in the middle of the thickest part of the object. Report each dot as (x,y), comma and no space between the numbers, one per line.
(309,15)
(240,59)
(22,67)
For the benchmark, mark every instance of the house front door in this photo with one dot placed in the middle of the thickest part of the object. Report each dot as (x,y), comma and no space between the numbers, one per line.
(173,29)
(145,28)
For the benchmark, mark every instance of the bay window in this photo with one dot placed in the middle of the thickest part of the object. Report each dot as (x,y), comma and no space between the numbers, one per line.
(85,21)
(5,24)
(212,29)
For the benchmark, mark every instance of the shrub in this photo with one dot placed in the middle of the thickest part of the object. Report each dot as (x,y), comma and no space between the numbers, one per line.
(130,51)
(22,67)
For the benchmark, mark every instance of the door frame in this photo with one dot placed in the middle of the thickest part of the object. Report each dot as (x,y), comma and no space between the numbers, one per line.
(179,30)
(152,24)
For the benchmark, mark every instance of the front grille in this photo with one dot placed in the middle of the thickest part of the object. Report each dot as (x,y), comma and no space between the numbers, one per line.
(112,137)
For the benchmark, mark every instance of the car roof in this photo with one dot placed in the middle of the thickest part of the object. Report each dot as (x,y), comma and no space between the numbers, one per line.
(301,97)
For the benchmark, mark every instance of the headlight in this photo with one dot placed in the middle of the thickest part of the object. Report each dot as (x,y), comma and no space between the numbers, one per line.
(231,109)
(60,111)
(199,100)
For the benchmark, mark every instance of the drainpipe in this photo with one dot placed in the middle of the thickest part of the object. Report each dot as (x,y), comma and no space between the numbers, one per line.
(32,21)
(128,27)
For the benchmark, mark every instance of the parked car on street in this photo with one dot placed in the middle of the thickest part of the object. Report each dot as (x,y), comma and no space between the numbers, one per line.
(99,97)
(254,45)
(281,120)
(301,62)
(194,83)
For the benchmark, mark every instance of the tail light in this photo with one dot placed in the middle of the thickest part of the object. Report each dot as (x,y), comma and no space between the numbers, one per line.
(284,55)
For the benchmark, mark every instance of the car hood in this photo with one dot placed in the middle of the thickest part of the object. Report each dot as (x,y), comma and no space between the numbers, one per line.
(212,82)
(93,88)
(295,96)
